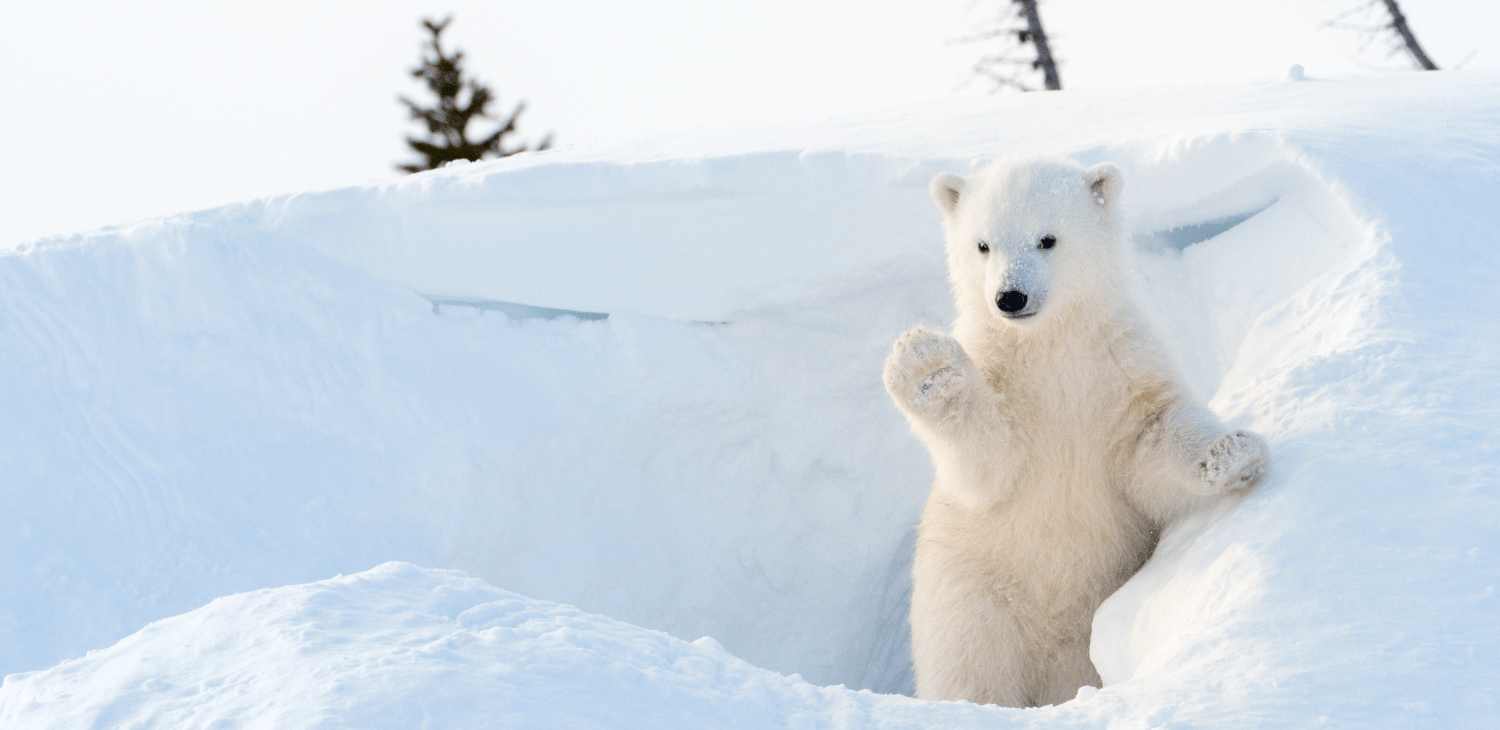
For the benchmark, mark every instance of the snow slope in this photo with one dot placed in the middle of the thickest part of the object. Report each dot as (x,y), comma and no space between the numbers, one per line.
(266,394)
(403,647)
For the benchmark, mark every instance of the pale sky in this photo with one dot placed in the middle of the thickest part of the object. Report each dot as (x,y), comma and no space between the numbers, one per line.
(122,111)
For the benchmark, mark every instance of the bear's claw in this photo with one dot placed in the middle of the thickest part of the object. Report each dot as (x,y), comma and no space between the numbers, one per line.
(1235,461)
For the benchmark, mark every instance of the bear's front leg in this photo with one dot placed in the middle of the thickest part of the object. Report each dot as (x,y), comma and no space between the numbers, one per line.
(956,414)
(1184,457)
(928,374)
(1236,460)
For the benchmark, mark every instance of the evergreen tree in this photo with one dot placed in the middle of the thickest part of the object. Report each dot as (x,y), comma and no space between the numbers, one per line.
(448,121)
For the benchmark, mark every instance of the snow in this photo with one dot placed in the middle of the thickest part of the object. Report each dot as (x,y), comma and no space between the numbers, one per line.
(484,657)
(236,403)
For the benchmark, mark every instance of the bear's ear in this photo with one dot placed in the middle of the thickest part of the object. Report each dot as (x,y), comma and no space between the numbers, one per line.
(945,191)
(1104,182)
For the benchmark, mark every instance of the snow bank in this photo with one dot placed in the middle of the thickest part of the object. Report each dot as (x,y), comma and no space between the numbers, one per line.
(266,394)
(402,647)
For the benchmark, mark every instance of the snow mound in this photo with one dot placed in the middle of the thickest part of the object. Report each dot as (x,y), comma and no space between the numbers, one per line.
(403,647)
(645,381)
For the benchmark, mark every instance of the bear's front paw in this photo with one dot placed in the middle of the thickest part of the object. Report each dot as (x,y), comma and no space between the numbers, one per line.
(1237,460)
(927,370)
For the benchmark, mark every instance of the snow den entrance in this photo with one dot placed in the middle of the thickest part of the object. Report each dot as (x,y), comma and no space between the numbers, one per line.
(1209,266)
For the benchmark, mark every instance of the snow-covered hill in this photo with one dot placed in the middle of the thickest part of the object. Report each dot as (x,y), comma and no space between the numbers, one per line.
(278,392)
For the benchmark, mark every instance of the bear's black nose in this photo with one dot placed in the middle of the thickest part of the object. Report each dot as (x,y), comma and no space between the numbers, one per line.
(1011,301)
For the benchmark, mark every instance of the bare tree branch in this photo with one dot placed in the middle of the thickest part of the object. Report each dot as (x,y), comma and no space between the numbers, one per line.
(1398,22)
(1395,30)
(1018,26)
(1043,51)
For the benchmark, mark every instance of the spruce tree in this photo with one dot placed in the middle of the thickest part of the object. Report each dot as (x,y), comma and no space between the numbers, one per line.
(448,121)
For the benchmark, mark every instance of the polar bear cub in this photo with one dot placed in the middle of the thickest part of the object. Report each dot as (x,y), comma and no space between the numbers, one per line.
(1060,437)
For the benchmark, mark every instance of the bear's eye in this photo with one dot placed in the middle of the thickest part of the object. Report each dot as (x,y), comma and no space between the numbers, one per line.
(984,247)
(1047,242)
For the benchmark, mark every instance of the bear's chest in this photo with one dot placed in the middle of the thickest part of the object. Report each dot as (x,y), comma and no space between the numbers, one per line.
(1079,402)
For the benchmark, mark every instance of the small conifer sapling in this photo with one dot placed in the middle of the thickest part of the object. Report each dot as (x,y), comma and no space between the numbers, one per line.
(448,121)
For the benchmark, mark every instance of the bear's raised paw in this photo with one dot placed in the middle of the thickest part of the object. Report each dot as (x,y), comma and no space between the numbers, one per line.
(926,370)
(1237,460)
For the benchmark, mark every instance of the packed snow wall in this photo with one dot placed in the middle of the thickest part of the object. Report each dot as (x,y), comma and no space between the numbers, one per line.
(712,478)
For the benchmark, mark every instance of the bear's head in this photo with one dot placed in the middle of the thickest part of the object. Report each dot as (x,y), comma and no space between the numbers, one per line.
(1031,237)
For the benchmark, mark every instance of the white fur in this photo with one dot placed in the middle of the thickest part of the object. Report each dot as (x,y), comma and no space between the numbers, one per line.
(1061,441)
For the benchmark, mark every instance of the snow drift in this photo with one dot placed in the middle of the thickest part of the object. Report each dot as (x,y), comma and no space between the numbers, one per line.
(280,391)
(484,658)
